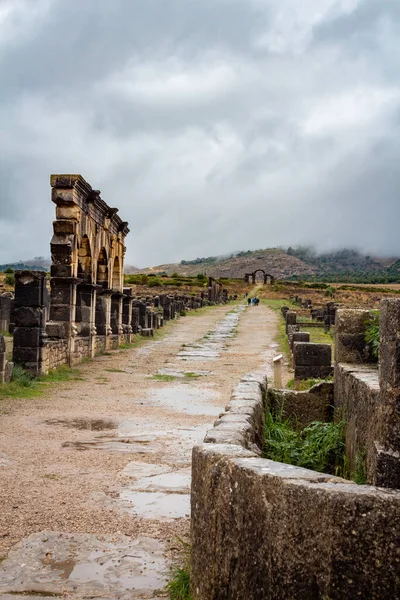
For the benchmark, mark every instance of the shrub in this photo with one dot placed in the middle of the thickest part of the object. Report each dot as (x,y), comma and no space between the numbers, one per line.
(178,587)
(9,279)
(319,447)
(22,377)
(9,270)
(372,334)
(154,281)
(329,292)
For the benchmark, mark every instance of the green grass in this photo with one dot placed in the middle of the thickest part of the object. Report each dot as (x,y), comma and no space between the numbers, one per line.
(24,385)
(360,474)
(319,447)
(62,373)
(158,377)
(191,375)
(115,370)
(277,304)
(178,587)
(305,384)
(372,334)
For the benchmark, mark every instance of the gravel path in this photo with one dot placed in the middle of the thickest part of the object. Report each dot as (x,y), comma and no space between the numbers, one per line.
(95,475)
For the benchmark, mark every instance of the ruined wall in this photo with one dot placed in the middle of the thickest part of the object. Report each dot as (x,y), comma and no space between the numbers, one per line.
(254,536)
(302,408)
(367,395)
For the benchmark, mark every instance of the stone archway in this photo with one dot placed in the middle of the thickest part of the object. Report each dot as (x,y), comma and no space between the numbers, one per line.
(102,269)
(253,276)
(116,276)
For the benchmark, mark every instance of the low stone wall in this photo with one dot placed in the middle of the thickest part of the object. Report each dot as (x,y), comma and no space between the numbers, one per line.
(356,402)
(302,408)
(55,353)
(262,530)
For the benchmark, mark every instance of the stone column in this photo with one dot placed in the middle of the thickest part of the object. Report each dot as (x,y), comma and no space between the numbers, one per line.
(5,313)
(63,308)
(116,313)
(127,313)
(291,319)
(388,444)
(103,312)
(31,299)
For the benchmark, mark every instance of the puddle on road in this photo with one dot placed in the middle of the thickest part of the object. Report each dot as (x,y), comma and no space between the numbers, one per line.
(82,564)
(183,374)
(116,445)
(210,348)
(191,401)
(174,481)
(136,469)
(156,505)
(84,424)
(4,460)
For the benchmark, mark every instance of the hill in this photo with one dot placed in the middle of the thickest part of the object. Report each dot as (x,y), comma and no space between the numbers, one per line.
(296,263)
(275,261)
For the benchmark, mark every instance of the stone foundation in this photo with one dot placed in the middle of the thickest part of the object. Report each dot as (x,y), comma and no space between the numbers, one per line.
(262,530)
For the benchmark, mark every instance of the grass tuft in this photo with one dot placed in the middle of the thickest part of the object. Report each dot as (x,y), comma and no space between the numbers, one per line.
(319,447)
(159,377)
(190,375)
(178,587)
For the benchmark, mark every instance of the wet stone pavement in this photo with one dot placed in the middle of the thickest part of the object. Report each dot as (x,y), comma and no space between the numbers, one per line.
(98,470)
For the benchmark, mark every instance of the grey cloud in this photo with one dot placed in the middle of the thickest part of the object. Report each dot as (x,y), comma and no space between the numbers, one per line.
(207,136)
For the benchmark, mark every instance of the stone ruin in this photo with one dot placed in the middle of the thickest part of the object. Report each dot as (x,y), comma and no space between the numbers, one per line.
(305,534)
(267,278)
(86,310)
(310,361)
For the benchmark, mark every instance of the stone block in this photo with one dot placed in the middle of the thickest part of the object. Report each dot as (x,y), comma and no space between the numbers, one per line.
(55,330)
(387,473)
(60,313)
(350,345)
(26,337)
(312,360)
(60,271)
(299,336)
(147,332)
(291,318)
(29,316)
(306,354)
(30,290)
(22,356)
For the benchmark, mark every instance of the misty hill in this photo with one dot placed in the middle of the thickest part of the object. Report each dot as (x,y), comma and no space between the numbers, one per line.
(275,261)
(295,263)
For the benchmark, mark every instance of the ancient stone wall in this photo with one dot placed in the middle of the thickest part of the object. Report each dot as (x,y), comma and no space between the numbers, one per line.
(367,395)
(88,310)
(5,313)
(261,530)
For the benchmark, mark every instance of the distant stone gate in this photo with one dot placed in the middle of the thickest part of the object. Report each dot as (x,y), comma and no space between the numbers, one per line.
(266,277)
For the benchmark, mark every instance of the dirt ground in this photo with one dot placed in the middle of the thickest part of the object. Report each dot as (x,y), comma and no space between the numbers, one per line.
(109,455)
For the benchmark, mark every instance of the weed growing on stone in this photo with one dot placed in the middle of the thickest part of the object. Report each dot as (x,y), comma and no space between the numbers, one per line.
(319,447)
(163,377)
(372,334)
(305,384)
(178,587)
(360,474)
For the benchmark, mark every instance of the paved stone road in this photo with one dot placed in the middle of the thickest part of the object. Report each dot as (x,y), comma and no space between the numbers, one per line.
(95,476)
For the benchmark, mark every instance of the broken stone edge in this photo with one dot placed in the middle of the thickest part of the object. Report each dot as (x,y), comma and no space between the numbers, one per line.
(263,529)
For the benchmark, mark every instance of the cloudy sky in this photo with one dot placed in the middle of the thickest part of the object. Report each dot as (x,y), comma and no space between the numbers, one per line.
(214,125)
